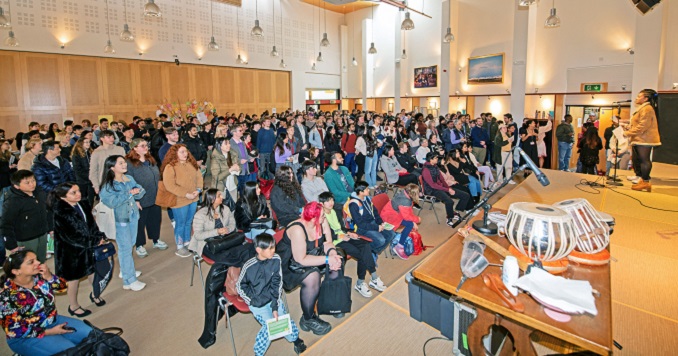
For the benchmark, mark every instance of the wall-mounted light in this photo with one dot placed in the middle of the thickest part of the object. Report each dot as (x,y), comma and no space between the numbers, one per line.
(456,92)
(62,45)
(631,51)
(536,90)
(623,87)
(675,85)
(508,91)
(459,69)
(489,98)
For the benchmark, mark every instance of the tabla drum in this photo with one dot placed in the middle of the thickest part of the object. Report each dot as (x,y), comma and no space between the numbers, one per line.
(540,232)
(609,220)
(593,233)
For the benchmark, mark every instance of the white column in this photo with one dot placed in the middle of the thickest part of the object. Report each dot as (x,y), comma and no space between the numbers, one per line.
(397,75)
(345,61)
(368,62)
(648,50)
(524,31)
(444,71)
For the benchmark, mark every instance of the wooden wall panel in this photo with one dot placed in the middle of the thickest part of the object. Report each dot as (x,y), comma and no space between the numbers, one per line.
(83,81)
(8,82)
(178,83)
(51,87)
(42,79)
(151,84)
(118,83)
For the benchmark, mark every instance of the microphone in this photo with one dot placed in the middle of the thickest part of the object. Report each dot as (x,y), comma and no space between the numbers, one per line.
(623,101)
(541,177)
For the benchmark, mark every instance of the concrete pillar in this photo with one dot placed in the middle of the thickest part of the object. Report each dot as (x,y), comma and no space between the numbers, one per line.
(444,70)
(368,63)
(399,63)
(648,50)
(524,31)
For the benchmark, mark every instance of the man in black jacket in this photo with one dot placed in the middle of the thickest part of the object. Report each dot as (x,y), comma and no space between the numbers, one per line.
(25,221)
(195,144)
(51,169)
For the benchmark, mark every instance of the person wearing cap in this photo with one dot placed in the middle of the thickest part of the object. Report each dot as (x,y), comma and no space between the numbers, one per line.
(434,185)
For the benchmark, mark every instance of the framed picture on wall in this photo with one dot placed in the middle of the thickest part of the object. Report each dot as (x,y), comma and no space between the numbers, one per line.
(486,69)
(426,77)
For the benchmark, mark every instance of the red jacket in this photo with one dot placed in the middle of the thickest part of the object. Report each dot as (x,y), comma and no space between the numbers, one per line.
(404,212)
(348,143)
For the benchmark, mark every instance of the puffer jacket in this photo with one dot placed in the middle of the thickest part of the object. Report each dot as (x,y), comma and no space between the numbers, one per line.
(399,209)
(643,129)
(81,168)
(49,176)
(196,147)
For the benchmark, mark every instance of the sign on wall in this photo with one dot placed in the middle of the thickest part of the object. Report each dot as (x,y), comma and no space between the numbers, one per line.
(593,87)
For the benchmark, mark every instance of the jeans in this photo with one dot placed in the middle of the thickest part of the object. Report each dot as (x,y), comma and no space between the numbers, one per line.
(505,171)
(371,170)
(126,237)
(255,232)
(349,162)
(264,162)
(407,228)
(379,239)
(564,154)
(474,186)
(183,219)
(150,219)
(50,345)
(261,314)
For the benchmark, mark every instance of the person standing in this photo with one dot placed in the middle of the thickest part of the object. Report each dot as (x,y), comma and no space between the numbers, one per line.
(239,151)
(643,134)
(194,144)
(142,167)
(503,155)
(565,137)
(479,138)
(99,156)
(121,193)
(265,143)
(51,169)
(33,149)
(589,149)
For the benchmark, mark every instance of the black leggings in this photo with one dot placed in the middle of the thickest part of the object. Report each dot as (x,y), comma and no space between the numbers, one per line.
(310,290)
(407,179)
(360,162)
(642,164)
(360,251)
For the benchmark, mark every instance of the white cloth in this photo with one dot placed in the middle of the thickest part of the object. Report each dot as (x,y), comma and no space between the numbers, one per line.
(568,295)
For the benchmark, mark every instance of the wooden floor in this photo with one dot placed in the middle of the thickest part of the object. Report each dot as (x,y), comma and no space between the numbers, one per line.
(166,318)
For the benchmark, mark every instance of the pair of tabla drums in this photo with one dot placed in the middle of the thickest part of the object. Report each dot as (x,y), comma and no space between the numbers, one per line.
(553,234)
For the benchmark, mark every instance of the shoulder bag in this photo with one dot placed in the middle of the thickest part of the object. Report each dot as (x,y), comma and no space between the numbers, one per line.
(218,244)
(105,251)
(335,294)
(164,198)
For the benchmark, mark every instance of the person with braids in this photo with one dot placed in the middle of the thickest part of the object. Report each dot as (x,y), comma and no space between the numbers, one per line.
(305,250)
(589,150)
(643,134)
(287,198)
(27,310)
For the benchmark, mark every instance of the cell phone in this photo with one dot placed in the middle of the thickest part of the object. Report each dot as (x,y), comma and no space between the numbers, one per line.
(69,328)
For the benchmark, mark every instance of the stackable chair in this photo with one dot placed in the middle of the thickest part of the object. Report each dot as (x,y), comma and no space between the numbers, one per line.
(427,199)
(224,301)
(197,262)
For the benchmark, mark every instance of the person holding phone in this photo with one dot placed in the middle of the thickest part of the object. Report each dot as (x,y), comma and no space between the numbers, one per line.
(32,324)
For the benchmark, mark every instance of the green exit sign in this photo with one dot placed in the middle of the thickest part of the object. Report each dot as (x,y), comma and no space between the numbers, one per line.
(594,87)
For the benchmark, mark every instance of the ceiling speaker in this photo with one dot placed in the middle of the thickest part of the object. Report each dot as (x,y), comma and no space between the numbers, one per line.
(644,6)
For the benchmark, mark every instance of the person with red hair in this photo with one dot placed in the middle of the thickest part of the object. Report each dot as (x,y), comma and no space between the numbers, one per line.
(306,250)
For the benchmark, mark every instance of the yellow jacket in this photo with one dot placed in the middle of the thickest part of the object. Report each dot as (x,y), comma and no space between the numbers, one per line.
(643,129)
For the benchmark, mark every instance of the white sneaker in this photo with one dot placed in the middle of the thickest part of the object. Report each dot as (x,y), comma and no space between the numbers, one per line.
(363,290)
(173,224)
(141,252)
(135,286)
(512,182)
(378,284)
(183,252)
(632,178)
(160,245)
(136,273)
(635,181)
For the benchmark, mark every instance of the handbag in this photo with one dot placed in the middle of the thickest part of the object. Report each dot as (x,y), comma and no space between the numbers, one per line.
(264,224)
(335,294)
(220,243)
(104,251)
(164,198)
(232,276)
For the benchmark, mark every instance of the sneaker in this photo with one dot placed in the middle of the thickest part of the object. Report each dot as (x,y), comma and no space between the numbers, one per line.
(452,222)
(174,224)
(136,273)
(416,206)
(135,286)
(378,285)
(160,245)
(632,178)
(339,316)
(183,252)
(315,324)
(141,252)
(299,346)
(363,290)
(399,251)
(512,182)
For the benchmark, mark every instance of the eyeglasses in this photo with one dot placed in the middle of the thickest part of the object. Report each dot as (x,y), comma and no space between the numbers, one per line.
(143,145)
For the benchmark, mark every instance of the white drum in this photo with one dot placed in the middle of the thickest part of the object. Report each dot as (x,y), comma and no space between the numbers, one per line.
(539,231)
(593,233)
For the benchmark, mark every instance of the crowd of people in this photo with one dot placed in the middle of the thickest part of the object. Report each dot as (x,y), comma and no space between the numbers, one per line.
(312,173)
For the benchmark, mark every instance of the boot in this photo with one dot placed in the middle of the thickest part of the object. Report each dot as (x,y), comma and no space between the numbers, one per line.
(213,287)
(642,186)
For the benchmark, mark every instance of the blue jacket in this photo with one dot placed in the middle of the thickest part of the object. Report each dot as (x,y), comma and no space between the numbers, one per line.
(364,215)
(266,140)
(117,197)
(49,176)
(477,135)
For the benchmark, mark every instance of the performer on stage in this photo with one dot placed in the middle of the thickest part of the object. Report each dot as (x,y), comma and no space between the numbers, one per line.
(643,135)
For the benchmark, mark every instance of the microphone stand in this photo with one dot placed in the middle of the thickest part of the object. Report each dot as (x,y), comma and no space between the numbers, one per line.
(614,181)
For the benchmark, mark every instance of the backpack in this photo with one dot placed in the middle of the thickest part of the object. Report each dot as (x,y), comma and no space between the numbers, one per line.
(409,244)
(418,244)
(349,224)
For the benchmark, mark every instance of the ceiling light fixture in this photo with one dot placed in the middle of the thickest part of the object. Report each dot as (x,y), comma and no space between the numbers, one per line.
(553,20)
(320,57)
(109,46)
(274,51)
(11,40)
(212,46)
(238,60)
(325,42)
(372,50)
(354,62)
(404,55)
(126,35)
(527,2)
(407,24)
(313,67)
(282,64)
(4,21)
(151,9)
(257,31)
(449,37)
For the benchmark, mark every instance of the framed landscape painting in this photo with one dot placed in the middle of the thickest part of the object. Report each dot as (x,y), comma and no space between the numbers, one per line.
(486,69)
(426,77)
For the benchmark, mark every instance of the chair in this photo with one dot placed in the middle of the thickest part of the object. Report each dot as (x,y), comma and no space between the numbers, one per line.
(197,261)
(224,301)
(427,199)
(278,236)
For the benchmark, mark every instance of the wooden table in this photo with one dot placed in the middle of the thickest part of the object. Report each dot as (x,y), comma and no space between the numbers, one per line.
(442,271)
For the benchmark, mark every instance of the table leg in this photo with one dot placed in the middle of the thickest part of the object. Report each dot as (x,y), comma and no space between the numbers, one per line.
(481,326)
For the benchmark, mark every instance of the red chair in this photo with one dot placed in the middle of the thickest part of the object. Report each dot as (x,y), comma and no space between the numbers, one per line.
(278,236)
(197,261)
(380,201)
(224,301)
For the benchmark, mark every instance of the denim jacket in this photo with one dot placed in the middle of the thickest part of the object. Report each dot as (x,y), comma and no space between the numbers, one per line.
(118,198)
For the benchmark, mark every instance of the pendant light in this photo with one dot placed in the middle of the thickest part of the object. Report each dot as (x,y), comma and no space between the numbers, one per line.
(274,52)
(238,60)
(151,9)
(109,46)
(126,35)
(313,67)
(404,55)
(372,50)
(282,40)
(282,64)
(354,62)
(449,37)
(212,46)
(257,31)
(407,24)
(527,2)
(320,53)
(4,21)
(553,20)
(11,40)
(320,57)
(325,42)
